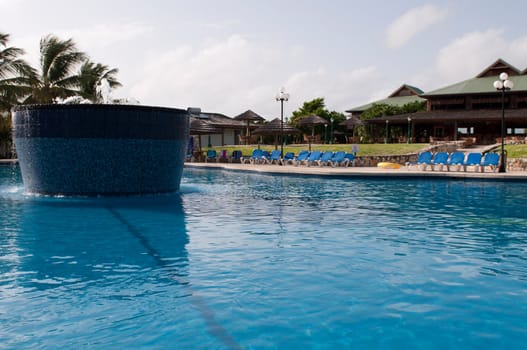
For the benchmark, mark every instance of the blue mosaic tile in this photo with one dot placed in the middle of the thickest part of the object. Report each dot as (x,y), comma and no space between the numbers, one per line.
(142,153)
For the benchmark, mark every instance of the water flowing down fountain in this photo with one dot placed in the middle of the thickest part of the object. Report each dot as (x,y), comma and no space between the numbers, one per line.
(100,149)
(103,91)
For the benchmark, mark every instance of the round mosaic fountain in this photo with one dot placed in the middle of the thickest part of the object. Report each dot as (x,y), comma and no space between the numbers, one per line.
(100,149)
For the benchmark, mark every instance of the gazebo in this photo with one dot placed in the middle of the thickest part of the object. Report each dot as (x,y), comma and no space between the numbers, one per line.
(274,127)
(312,120)
(248,116)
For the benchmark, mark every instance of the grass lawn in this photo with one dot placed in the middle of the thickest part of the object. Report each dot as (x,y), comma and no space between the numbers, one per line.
(364,149)
(515,151)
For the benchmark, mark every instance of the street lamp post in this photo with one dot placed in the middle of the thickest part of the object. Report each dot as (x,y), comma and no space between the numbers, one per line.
(331,131)
(503,84)
(287,122)
(282,96)
(325,133)
(409,133)
(386,138)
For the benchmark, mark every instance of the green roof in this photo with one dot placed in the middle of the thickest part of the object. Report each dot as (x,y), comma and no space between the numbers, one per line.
(392,101)
(478,86)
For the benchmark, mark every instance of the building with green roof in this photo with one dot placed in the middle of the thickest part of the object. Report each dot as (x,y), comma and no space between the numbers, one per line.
(468,109)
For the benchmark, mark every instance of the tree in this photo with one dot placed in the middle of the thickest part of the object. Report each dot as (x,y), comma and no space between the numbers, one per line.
(59,59)
(16,75)
(382,109)
(93,74)
(16,79)
(318,107)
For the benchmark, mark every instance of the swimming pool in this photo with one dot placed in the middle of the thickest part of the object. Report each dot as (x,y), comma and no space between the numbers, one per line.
(252,261)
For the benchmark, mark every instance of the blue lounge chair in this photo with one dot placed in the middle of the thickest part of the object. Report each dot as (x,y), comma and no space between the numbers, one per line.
(351,159)
(265,155)
(424,159)
(473,159)
(236,156)
(339,159)
(313,158)
(440,158)
(254,158)
(325,159)
(288,158)
(274,157)
(491,160)
(211,155)
(301,158)
(456,158)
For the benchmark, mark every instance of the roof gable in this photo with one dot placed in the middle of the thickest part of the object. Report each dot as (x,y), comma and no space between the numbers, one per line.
(498,67)
(403,95)
(393,101)
(249,115)
(406,90)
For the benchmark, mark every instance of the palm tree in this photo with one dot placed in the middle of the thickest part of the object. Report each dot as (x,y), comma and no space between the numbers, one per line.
(93,74)
(59,59)
(16,78)
(16,75)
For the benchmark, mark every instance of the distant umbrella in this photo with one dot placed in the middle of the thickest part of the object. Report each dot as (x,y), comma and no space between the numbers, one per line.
(312,120)
(249,116)
(274,127)
(351,123)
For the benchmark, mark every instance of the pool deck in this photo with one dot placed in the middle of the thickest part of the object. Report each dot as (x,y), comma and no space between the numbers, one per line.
(402,172)
(352,171)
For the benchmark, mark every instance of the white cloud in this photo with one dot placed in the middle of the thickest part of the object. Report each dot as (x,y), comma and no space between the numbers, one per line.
(413,22)
(237,74)
(465,57)
(104,35)
(341,90)
(94,40)
(215,78)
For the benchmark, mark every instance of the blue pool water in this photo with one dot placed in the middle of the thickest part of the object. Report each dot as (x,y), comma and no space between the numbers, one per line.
(250,261)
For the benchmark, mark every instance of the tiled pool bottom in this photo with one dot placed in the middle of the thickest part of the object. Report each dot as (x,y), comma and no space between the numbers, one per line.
(253,261)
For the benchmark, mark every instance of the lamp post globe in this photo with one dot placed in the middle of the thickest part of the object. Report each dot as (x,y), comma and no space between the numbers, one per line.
(282,96)
(503,84)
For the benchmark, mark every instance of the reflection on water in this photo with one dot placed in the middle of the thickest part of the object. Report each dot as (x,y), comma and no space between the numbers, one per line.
(88,240)
(104,251)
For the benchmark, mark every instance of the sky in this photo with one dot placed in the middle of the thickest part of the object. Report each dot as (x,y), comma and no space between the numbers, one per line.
(228,56)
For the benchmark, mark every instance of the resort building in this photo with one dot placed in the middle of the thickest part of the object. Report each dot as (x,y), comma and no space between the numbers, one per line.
(214,129)
(471,109)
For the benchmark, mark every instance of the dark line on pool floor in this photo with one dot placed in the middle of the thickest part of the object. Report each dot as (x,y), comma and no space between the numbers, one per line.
(213,326)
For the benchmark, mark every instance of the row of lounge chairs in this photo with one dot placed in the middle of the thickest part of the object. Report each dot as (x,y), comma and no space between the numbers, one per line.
(328,158)
(459,160)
